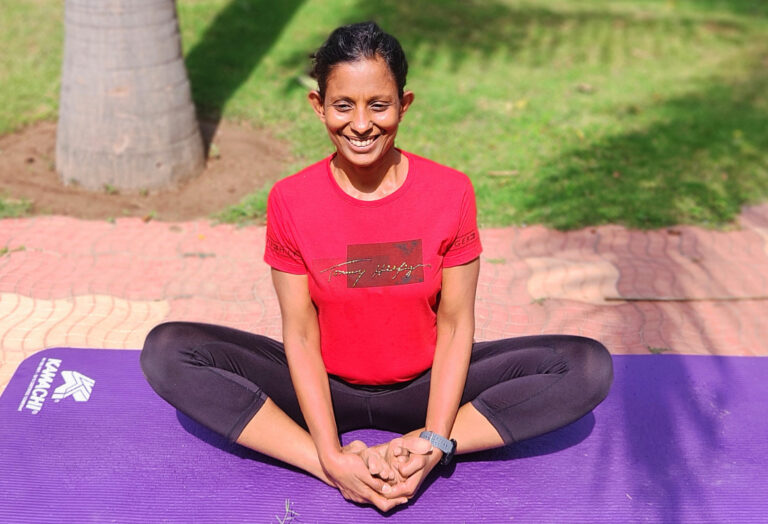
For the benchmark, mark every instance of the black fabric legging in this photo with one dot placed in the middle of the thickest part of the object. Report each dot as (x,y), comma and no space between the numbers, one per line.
(524,386)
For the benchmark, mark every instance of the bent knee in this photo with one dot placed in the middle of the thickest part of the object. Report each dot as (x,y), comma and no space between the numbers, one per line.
(162,353)
(595,370)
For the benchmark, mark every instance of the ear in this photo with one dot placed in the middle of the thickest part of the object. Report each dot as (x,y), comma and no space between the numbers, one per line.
(405,102)
(317,103)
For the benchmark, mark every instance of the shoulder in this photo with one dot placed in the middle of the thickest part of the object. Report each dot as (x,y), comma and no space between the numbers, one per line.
(304,182)
(437,174)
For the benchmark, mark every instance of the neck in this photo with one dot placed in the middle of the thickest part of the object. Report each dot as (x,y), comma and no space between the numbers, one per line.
(371,182)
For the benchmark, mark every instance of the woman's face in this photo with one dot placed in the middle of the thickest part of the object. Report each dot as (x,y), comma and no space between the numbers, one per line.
(361,111)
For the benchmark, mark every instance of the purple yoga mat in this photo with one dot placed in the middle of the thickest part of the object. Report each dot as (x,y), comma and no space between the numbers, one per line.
(679,439)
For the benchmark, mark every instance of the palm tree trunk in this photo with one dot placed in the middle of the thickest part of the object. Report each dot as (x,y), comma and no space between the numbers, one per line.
(126,117)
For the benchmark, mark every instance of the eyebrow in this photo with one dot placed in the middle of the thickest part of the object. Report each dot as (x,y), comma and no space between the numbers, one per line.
(378,98)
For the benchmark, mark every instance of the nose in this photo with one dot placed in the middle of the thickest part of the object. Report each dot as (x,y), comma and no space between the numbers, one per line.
(361,121)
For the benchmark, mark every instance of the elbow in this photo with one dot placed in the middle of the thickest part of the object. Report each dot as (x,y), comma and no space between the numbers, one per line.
(456,327)
(454,320)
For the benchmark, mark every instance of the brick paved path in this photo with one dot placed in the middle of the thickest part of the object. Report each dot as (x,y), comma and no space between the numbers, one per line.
(68,282)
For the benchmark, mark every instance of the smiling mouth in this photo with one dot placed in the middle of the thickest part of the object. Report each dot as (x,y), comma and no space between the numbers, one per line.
(358,142)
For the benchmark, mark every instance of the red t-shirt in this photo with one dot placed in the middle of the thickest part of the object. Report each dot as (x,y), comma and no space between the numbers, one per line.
(374,267)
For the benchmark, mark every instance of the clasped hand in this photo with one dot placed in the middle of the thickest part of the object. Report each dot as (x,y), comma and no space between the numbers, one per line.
(385,475)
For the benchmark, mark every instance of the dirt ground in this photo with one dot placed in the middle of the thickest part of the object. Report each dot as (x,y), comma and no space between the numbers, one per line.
(242,160)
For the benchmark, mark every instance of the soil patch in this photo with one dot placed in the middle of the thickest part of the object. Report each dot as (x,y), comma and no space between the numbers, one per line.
(241,161)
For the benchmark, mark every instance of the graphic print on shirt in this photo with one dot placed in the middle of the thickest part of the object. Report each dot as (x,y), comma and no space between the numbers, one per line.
(378,265)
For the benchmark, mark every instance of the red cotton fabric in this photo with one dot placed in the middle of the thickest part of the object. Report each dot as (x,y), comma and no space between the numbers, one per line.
(374,267)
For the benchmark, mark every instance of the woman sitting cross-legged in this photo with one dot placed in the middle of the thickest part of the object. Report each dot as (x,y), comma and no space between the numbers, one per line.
(375,258)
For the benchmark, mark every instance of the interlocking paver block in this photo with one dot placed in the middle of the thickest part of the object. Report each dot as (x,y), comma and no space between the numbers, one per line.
(99,284)
(589,281)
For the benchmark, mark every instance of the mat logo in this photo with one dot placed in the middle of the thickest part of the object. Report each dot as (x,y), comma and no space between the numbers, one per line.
(76,385)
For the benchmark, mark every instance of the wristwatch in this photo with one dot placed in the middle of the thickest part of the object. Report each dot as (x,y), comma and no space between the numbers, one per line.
(447,446)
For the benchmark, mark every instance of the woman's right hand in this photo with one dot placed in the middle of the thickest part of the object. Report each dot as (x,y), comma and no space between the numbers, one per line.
(404,462)
(347,470)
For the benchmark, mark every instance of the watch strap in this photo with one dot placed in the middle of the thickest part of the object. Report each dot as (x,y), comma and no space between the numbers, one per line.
(447,446)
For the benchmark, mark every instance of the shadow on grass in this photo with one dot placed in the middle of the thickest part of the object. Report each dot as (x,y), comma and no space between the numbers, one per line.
(230,49)
(737,7)
(700,162)
(468,30)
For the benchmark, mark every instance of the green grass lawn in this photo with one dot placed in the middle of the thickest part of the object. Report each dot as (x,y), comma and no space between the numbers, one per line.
(12,208)
(566,113)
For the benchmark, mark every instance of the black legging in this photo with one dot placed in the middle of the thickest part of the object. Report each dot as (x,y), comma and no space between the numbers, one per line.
(524,386)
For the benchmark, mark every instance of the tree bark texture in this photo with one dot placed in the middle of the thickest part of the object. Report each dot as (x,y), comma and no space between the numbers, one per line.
(126,117)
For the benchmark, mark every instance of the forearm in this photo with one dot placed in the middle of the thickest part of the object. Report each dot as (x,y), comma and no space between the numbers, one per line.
(310,381)
(455,332)
(342,468)
(449,373)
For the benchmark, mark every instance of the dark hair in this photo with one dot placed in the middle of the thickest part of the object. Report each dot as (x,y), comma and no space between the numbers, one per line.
(354,42)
